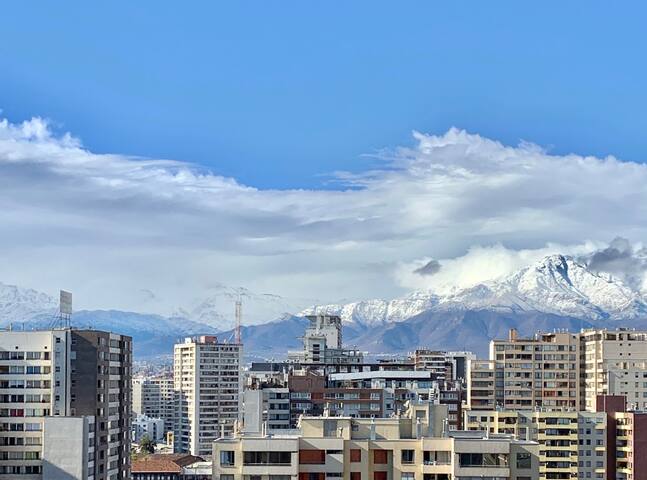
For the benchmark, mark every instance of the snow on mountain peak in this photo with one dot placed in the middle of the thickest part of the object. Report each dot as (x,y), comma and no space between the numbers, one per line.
(17,303)
(556,284)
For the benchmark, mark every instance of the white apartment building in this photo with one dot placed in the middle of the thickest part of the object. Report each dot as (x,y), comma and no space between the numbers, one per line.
(152,428)
(614,362)
(64,380)
(207,382)
(153,397)
(266,408)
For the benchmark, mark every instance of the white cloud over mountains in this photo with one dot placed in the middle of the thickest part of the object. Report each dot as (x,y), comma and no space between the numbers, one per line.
(109,227)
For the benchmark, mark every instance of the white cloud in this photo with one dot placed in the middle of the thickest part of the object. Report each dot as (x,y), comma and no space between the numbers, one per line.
(110,226)
(481,264)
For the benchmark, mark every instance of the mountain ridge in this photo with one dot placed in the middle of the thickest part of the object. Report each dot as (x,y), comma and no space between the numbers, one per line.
(557,292)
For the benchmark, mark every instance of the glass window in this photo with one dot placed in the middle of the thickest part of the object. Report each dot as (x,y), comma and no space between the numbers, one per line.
(408,456)
(523,460)
(227,458)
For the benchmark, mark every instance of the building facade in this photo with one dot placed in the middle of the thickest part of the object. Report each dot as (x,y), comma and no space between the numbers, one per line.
(153,397)
(614,362)
(207,382)
(322,343)
(572,444)
(65,373)
(409,448)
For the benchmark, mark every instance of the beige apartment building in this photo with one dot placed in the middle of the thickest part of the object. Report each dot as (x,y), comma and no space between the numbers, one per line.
(560,370)
(614,362)
(415,447)
(207,382)
(481,378)
(571,444)
(542,371)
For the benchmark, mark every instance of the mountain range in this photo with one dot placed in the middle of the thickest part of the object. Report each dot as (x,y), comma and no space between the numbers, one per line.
(557,292)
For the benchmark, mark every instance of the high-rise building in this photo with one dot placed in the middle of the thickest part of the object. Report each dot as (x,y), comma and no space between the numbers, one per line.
(207,382)
(572,444)
(322,343)
(614,362)
(481,379)
(528,373)
(68,373)
(266,408)
(444,365)
(561,370)
(153,397)
(626,439)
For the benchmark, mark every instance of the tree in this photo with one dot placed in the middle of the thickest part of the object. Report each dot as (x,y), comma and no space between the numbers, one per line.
(147,445)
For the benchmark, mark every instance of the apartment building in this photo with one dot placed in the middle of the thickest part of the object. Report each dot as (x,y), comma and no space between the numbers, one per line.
(322,343)
(153,397)
(481,381)
(414,447)
(614,362)
(444,365)
(572,444)
(542,371)
(267,408)
(626,439)
(82,375)
(527,373)
(144,426)
(433,361)
(207,384)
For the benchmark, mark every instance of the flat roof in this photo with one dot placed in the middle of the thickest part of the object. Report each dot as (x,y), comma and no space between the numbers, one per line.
(387,374)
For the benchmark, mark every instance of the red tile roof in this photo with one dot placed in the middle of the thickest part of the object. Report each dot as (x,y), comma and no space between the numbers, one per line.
(164,463)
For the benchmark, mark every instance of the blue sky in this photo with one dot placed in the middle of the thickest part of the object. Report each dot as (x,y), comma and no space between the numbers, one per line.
(277,94)
(258,103)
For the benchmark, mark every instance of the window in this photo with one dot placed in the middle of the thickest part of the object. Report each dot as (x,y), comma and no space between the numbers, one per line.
(408,476)
(227,477)
(355,475)
(407,456)
(267,458)
(379,475)
(523,460)
(482,460)
(227,458)
(355,455)
(380,457)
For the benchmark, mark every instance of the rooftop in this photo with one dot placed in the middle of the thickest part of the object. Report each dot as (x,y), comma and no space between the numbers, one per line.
(164,463)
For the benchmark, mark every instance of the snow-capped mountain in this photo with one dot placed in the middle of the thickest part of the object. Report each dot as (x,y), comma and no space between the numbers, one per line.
(218,308)
(557,285)
(18,304)
(368,313)
(557,292)
(152,334)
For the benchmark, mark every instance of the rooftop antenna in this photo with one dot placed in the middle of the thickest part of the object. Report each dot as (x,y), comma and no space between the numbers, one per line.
(239,317)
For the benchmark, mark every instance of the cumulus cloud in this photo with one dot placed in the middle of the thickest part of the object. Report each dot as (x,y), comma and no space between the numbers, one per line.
(109,226)
(481,264)
(623,260)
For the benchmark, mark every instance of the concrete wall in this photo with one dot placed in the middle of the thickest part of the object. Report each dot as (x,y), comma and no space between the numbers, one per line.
(65,448)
